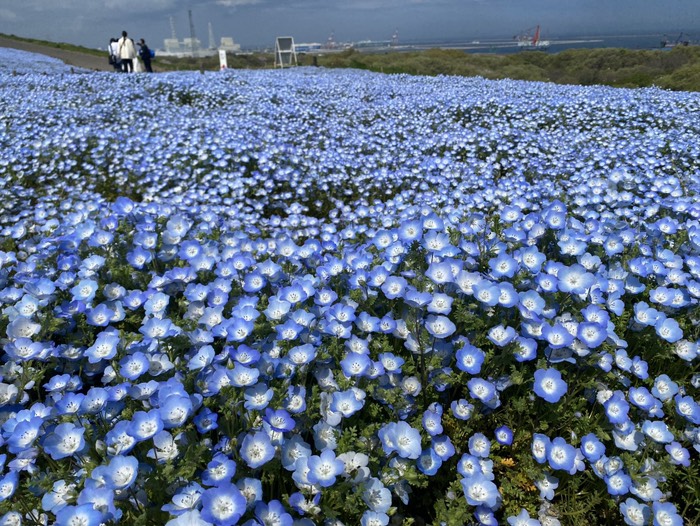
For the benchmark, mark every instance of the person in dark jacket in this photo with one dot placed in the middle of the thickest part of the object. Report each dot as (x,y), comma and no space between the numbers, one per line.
(145,55)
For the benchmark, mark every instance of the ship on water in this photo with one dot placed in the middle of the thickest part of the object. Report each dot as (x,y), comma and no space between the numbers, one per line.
(531,40)
(680,41)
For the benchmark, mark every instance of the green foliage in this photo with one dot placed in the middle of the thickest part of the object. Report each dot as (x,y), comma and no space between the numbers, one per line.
(678,69)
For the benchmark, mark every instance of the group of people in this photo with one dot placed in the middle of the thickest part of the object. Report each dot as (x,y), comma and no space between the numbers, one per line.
(124,57)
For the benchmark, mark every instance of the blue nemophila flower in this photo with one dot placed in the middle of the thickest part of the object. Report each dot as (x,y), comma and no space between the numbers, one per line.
(104,348)
(482,390)
(634,512)
(487,292)
(668,329)
(402,438)
(664,388)
(394,287)
(219,471)
(443,447)
(242,376)
(549,385)
(355,364)
(24,349)
(503,266)
(540,447)
(470,359)
(222,505)
(391,363)
(256,449)
(346,402)
(376,495)
(85,290)
(680,456)
(562,455)
(416,298)
(461,409)
(686,350)
(273,513)
(188,518)
(159,329)
(59,496)
(504,435)
(439,326)
(121,472)
(324,468)
(591,447)
(665,514)
(658,431)
(175,410)
(501,335)
(616,408)
(439,272)
(532,259)
(94,401)
(547,484)
(479,445)
(526,349)
(84,514)
(618,483)
(186,499)
(646,489)
(591,334)
(485,516)
(522,519)
(166,447)
(23,434)
(557,335)
(206,420)
(428,462)
(134,365)
(8,485)
(372,518)
(480,491)
(145,425)
(22,327)
(688,408)
(118,439)
(279,420)
(65,440)
(440,303)
(432,419)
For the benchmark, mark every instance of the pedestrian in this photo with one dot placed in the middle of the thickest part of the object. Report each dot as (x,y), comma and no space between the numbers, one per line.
(127,52)
(114,58)
(145,55)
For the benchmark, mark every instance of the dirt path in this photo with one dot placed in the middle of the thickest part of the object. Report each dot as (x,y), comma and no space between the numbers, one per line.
(72,58)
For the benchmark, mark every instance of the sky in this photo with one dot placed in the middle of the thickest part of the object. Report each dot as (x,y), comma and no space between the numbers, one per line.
(256,23)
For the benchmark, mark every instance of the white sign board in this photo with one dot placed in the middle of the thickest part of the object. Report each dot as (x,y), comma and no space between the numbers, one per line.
(223,64)
(285,54)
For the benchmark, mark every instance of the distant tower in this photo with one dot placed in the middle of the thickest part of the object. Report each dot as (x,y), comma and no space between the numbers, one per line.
(171,44)
(212,42)
(193,39)
(330,43)
(173,35)
(395,38)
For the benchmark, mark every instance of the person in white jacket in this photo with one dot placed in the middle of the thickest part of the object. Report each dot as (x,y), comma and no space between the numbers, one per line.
(127,52)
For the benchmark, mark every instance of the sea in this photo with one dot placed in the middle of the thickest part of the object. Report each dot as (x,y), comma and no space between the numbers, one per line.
(501,46)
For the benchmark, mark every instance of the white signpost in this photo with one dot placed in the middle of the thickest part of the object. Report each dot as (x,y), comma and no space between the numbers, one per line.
(223,64)
(285,54)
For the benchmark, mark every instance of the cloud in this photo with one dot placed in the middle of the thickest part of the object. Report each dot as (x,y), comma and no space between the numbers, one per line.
(238,3)
(7,15)
(138,6)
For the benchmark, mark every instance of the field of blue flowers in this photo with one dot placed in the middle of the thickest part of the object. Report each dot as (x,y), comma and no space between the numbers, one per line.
(327,297)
